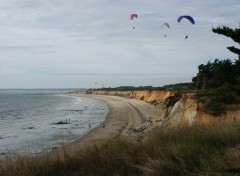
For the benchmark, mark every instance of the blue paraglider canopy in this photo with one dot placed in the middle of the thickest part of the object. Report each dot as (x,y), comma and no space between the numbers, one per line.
(187,17)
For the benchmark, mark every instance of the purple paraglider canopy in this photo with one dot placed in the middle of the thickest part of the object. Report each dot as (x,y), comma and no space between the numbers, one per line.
(189,18)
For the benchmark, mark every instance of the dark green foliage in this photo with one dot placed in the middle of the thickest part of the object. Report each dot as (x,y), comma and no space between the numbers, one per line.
(220,72)
(216,74)
(179,87)
(221,77)
(127,88)
(174,87)
(214,106)
(219,99)
(231,98)
(234,34)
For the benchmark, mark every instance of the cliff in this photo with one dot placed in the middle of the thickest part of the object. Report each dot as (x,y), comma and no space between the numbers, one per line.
(178,109)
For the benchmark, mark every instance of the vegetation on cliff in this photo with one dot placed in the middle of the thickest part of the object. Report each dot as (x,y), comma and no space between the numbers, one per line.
(175,87)
(217,83)
(220,80)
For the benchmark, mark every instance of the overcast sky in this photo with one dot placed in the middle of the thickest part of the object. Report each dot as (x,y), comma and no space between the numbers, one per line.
(92,43)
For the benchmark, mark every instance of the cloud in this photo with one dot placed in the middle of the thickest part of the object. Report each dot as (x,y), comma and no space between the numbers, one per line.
(88,40)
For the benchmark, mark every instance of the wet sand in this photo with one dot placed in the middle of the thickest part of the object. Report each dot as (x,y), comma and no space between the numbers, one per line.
(124,116)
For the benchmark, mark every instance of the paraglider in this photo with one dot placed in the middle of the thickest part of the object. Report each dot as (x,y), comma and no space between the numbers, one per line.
(165,25)
(133,16)
(189,18)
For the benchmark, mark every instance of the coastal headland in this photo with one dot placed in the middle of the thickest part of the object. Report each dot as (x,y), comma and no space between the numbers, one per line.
(129,141)
(133,114)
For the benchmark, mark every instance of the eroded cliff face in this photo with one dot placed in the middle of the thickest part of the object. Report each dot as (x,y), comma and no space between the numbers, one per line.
(147,96)
(153,97)
(177,109)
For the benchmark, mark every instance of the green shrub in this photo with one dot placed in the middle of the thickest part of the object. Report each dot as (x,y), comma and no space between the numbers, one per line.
(215,105)
(231,98)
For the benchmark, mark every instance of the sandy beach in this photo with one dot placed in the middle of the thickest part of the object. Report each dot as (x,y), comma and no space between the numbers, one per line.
(127,118)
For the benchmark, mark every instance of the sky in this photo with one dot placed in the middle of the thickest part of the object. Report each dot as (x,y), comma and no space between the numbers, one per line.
(92,43)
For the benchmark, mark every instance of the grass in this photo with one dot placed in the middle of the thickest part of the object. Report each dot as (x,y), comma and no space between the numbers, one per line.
(197,150)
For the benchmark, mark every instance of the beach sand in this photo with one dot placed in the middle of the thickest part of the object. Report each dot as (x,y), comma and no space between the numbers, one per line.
(127,118)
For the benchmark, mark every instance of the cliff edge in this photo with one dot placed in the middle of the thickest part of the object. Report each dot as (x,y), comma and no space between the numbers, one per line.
(177,108)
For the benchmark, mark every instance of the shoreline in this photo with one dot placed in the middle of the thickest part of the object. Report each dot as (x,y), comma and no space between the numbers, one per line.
(123,117)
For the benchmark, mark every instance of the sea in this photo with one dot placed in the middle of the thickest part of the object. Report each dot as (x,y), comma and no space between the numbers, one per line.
(38,121)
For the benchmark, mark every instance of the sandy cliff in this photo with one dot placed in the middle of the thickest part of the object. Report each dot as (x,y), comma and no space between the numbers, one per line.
(176,109)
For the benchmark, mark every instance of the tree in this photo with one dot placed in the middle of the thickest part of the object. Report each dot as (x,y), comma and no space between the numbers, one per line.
(205,72)
(222,77)
(216,74)
(234,34)
(219,72)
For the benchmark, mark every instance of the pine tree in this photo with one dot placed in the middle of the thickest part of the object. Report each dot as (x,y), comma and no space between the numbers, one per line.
(234,34)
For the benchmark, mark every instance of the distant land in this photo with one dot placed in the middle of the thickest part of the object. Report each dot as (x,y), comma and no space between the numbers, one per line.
(177,87)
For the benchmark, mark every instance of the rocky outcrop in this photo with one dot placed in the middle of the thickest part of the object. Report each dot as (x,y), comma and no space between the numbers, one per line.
(184,111)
